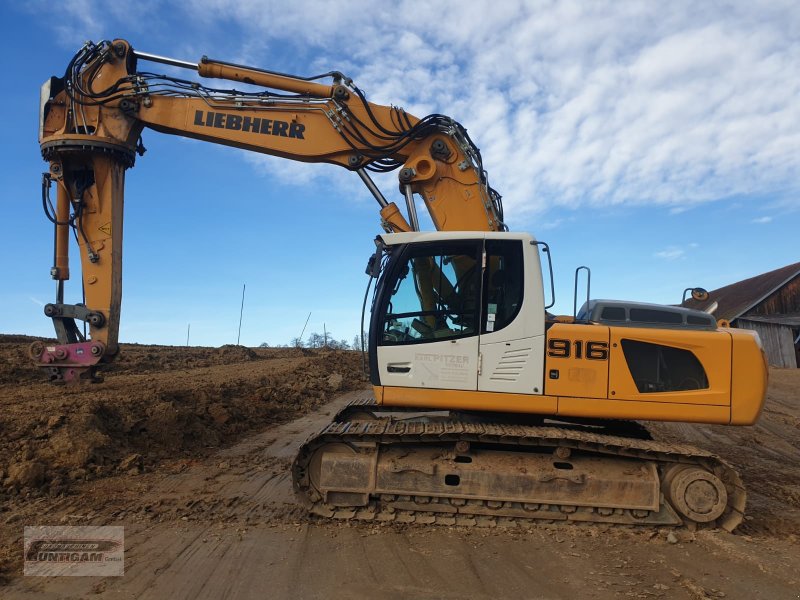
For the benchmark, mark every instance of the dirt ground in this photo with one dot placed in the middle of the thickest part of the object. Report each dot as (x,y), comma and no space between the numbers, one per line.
(189,449)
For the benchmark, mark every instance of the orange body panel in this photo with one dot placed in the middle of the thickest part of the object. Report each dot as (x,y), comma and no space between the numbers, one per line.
(712,349)
(749,377)
(590,408)
(643,411)
(600,388)
(569,370)
(461,400)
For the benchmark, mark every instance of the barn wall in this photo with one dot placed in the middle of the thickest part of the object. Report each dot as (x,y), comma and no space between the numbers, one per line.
(783,301)
(777,341)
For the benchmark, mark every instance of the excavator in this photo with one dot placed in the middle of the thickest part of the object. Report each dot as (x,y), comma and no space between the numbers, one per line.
(487,409)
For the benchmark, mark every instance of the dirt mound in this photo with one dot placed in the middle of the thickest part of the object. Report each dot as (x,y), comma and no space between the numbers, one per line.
(156,403)
(12,338)
(138,359)
(233,353)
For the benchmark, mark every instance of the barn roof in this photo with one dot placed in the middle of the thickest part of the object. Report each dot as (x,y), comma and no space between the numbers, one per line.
(792,320)
(737,298)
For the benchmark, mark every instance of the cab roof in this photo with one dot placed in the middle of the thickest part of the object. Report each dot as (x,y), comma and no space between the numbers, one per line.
(393,239)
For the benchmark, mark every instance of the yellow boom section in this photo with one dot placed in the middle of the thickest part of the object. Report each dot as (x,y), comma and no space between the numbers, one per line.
(90,128)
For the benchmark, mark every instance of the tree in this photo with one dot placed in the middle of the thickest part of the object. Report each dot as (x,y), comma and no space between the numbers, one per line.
(315,340)
(338,344)
(357,341)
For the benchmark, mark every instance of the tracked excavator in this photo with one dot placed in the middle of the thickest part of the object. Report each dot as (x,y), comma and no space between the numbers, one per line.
(487,409)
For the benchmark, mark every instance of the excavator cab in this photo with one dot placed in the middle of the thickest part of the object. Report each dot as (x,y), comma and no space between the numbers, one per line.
(459,321)
(459,311)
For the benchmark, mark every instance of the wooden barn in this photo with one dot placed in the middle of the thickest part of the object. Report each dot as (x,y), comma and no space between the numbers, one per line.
(767,303)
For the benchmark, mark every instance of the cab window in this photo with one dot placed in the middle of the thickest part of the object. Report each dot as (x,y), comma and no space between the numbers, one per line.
(504,280)
(435,295)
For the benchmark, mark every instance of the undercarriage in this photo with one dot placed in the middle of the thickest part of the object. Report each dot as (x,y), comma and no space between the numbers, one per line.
(376,463)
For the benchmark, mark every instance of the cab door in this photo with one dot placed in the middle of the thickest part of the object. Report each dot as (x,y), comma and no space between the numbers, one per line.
(512,322)
(428,320)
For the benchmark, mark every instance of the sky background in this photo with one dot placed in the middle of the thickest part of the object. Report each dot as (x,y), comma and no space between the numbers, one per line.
(657,143)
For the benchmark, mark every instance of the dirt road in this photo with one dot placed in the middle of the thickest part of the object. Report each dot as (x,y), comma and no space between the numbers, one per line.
(223,524)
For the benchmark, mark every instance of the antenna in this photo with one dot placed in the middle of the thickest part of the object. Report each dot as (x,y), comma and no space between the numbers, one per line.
(241,311)
(304,327)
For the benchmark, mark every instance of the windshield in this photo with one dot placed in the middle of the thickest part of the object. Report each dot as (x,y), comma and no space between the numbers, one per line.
(434,294)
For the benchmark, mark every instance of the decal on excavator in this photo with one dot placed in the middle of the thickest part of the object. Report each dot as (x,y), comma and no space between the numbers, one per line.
(565,348)
(251,124)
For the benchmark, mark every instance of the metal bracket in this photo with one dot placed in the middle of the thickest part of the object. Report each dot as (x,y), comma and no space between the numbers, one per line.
(64,316)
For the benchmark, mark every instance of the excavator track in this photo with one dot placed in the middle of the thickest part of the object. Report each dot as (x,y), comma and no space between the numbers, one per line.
(442,470)
(365,407)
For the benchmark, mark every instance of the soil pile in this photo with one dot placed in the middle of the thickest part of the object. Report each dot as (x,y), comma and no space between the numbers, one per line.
(156,402)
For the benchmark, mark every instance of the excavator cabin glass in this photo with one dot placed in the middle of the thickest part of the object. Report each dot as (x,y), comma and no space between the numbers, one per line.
(435,294)
(503,284)
(437,291)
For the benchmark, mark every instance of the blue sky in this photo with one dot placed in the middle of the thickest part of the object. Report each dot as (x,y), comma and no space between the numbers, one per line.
(657,143)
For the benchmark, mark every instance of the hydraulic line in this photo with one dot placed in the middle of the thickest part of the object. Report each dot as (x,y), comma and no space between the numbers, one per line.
(354,131)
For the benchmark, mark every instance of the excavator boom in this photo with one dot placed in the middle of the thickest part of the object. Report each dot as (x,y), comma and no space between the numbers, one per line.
(90,132)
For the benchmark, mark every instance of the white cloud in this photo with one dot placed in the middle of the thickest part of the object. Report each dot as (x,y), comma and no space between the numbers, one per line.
(762,220)
(677,210)
(551,224)
(575,103)
(80,20)
(572,103)
(671,253)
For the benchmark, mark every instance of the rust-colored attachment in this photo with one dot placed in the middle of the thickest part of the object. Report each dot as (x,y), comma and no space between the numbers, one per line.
(68,363)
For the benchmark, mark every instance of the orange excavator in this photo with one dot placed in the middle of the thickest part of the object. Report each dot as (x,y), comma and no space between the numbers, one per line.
(486,407)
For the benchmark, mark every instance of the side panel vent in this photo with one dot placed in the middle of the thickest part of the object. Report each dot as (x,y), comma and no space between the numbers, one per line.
(657,368)
(511,365)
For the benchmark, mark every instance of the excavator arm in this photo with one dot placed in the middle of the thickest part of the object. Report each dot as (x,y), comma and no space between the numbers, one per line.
(91,122)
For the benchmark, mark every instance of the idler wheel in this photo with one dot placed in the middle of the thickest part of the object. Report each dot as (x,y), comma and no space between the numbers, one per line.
(697,494)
